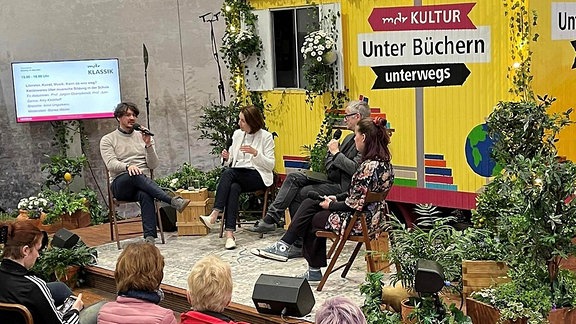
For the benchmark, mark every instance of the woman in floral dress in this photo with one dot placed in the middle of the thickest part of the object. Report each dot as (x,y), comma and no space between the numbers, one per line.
(375,174)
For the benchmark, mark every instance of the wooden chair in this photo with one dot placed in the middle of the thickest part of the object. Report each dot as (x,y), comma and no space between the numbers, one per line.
(265,192)
(340,240)
(113,203)
(15,313)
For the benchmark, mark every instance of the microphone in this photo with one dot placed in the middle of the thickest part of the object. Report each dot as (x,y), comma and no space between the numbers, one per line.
(227,146)
(138,127)
(315,195)
(337,134)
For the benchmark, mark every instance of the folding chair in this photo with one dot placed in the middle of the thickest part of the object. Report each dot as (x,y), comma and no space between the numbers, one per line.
(266,192)
(340,240)
(113,203)
(15,313)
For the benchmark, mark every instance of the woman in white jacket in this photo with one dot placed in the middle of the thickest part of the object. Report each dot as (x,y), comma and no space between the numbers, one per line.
(251,160)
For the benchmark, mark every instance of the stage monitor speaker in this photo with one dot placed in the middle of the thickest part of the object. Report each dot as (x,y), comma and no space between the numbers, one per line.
(272,294)
(63,238)
(429,277)
(168,217)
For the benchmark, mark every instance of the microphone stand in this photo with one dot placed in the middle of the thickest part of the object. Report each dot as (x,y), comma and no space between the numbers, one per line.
(145,52)
(211,20)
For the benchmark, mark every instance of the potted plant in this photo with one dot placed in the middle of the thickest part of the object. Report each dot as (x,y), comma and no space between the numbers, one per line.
(372,307)
(63,264)
(431,238)
(482,257)
(66,205)
(33,207)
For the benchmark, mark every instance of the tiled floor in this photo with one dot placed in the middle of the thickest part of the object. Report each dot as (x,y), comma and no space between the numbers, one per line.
(181,252)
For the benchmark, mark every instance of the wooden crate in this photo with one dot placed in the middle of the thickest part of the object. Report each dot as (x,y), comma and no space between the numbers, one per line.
(482,313)
(380,247)
(188,221)
(482,274)
(194,195)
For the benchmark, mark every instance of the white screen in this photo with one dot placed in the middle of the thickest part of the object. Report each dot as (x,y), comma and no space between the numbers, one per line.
(64,90)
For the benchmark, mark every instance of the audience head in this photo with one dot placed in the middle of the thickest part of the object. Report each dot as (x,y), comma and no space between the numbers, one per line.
(372,139)
(339,310)
(210,284)
(22,241)
(123,108)
(355,110)
(139,267)
(252,117)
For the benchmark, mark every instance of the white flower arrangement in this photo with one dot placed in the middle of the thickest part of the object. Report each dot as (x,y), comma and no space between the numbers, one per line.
(242,43)
(316,44)
(34,205)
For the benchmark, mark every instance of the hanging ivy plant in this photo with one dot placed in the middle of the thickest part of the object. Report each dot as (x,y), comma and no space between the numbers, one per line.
(240,41)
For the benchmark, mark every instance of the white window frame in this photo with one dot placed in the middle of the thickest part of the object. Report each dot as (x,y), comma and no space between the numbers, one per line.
(262,78)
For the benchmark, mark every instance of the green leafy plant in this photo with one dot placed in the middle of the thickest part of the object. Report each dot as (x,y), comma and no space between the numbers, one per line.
(432,238)
(240,39)
(58,166)
(217,124)
(98,214)
(371,288)
(189,176)
(426,310)
(529,204)
(478,244)
(63,202)
(8,215)
(54,261)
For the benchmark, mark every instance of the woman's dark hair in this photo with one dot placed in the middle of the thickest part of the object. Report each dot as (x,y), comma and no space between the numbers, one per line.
(123,107)
(17,235)
(377,139)
(253,118)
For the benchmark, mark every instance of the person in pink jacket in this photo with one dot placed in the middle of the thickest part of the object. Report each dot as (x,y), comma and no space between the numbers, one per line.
(139,272)
(209,292)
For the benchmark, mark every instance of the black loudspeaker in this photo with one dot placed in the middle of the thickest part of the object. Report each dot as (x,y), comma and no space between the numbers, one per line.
(274,293)
(429,277)
(63,238)
(168,217)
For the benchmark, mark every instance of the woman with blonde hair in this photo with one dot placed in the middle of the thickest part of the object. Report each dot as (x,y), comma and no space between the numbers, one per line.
(209,291)
(139,272)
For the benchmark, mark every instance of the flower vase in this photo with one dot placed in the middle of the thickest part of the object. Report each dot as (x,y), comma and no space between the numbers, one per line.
(329,57)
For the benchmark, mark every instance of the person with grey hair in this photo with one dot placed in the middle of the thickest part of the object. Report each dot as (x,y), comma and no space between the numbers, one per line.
(129,155)
(341,162)
(339,310)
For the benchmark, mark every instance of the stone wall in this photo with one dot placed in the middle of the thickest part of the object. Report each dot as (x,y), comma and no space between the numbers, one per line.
(182,77)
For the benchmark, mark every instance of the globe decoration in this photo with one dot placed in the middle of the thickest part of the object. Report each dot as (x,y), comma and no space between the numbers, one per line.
(478,152)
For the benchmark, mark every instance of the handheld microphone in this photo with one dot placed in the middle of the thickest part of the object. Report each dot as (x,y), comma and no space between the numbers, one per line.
(226,147)
(315,195)
(138,127)
(337,134)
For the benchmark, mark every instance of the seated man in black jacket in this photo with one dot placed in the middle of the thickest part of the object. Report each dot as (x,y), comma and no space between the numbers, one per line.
(341,162)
